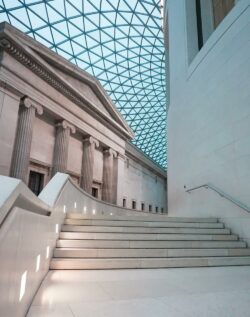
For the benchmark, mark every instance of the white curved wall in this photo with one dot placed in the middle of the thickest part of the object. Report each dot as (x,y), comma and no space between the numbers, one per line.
(27,231)
(209,117)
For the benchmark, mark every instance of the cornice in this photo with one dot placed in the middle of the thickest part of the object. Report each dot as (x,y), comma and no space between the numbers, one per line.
(24,55)
(137,155)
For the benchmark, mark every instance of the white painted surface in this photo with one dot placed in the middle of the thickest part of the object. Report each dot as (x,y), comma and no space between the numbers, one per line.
(213,292)
(209,118)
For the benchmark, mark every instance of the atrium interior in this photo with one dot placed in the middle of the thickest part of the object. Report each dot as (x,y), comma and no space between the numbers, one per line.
(125,158)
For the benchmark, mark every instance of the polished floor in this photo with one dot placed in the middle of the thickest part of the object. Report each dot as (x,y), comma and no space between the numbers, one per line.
(200,292)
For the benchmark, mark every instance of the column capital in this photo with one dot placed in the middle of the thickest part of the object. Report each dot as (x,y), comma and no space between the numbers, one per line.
(109,152)
(66,125)
(91,140)
(27,102)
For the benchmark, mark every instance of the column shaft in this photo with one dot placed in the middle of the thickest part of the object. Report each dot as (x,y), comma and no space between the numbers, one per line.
(119,180)
(108,170)
(89,146)
(61,148)
(21,153)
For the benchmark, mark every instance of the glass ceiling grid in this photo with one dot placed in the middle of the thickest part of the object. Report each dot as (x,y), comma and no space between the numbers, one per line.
(120,42)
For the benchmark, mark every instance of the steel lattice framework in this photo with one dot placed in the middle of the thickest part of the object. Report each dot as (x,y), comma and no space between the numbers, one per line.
(120,42)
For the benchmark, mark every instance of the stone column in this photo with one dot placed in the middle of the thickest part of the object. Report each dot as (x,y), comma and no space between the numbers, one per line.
(61,148)
(89,145)
(119,179)
(21,153)
(108,168)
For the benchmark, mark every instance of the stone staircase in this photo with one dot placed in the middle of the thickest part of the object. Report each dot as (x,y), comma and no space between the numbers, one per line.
(145,241)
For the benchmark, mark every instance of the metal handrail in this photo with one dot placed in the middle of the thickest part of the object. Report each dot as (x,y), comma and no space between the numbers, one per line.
(222,194)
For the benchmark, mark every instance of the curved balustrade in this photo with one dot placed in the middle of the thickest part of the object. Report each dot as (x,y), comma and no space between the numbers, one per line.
(29,228)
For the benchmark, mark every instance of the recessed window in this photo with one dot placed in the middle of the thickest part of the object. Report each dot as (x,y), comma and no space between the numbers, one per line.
(36,181)
(133,204)
(156,209)
(199,24)
(95,192)
(142,206)
(203,17)
(124,202)
(149,208)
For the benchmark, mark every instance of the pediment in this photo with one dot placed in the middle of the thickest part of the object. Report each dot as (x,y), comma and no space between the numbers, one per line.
(75,83)
(79,85)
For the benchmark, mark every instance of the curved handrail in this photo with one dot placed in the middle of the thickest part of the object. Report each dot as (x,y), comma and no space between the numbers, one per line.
(222,194)
(14,193)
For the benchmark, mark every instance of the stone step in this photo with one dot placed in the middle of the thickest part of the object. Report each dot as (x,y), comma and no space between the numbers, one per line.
(105,229)
(148,217)
(145,236)
(146,224)
(132,263)
(110,244)
(146,253)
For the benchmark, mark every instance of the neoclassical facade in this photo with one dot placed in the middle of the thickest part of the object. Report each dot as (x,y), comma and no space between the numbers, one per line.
(57,118)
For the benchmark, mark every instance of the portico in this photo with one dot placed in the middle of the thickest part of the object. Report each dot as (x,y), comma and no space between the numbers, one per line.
(63,121)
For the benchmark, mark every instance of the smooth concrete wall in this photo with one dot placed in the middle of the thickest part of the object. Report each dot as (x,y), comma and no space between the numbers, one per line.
(209,117)
(143,186)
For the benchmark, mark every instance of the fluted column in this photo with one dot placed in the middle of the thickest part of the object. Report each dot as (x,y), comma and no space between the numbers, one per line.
(61,148)
(108,175)
(21,153)
(119,180)
(89,145)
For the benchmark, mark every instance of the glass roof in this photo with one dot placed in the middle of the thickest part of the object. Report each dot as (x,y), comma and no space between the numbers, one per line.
(120,42)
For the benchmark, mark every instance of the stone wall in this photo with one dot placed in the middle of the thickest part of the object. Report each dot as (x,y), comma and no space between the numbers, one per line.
(143,186)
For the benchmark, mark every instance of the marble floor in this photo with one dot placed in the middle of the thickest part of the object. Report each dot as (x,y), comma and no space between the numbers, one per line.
(200,292)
